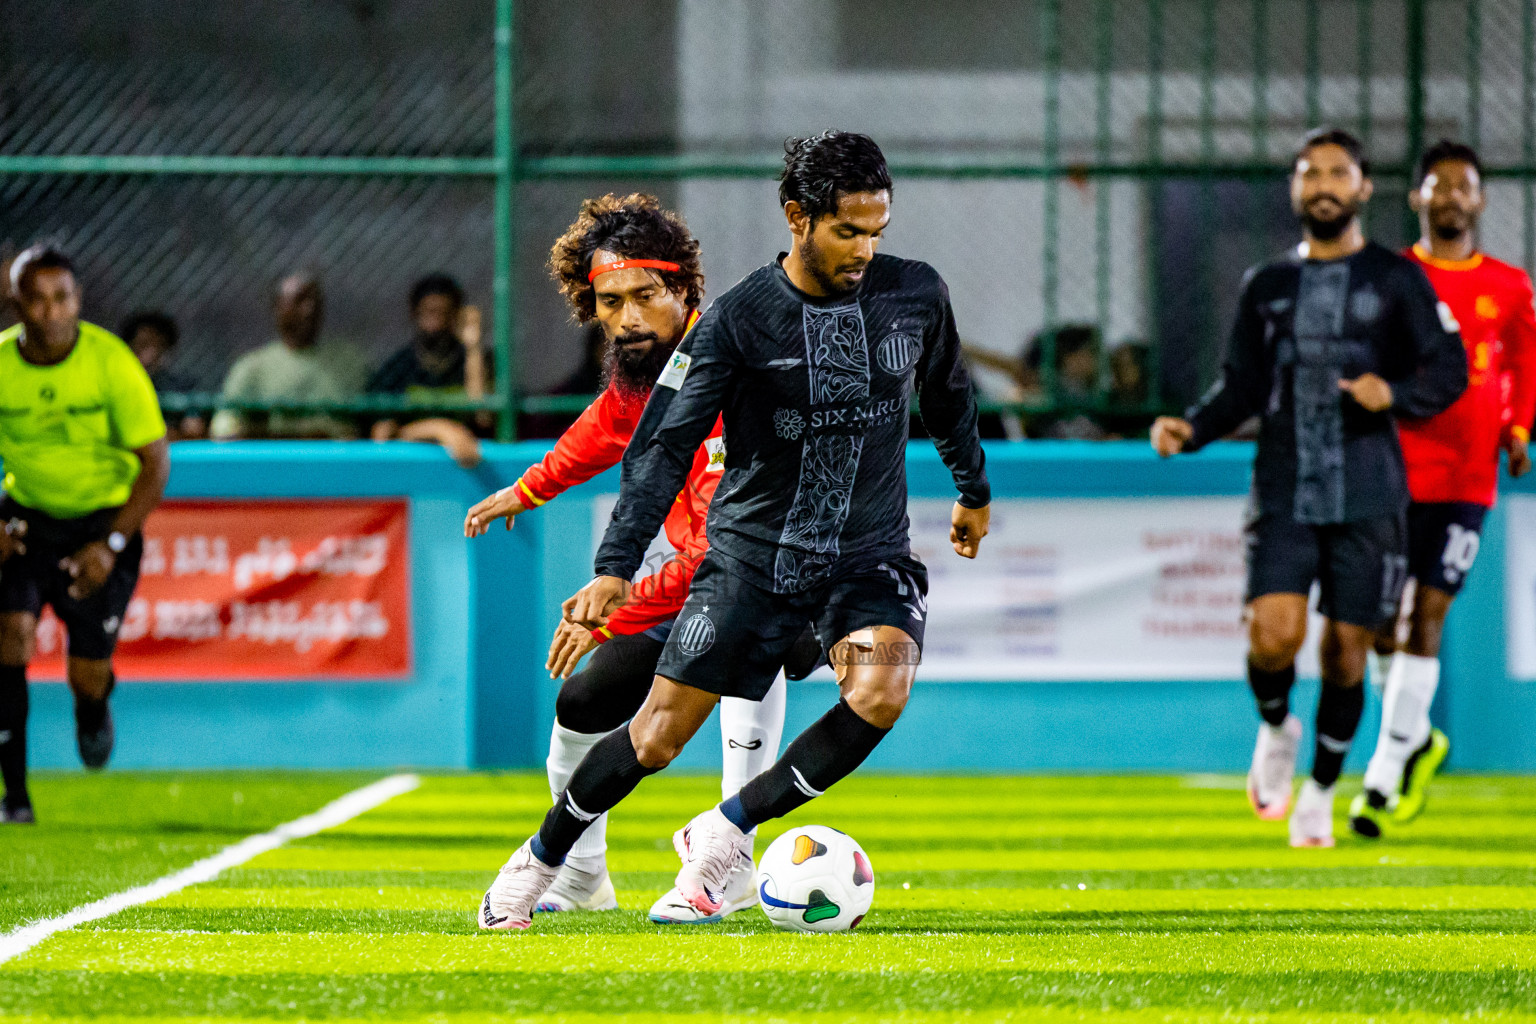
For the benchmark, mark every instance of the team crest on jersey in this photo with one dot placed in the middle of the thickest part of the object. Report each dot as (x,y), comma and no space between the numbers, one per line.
(1487,307)
(897,353)
(697,635)
(1365,305)
(715,446)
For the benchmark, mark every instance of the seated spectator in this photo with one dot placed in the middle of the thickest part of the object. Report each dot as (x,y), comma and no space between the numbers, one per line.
(443,358)
(298,367)
(1075,388)
(1127,412)
(152,335)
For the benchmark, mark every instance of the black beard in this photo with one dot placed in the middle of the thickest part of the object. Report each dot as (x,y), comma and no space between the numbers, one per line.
(810,259)
(438,342)
(1447,232)
(1328,230)
(634,373)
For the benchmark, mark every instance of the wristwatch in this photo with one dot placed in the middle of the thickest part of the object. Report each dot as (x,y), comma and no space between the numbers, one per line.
(116,542)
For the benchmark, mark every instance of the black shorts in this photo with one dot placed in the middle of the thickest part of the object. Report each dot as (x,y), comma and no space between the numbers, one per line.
(29,581)
(1443,538)
(613,684)
(1360,567)
(732,636)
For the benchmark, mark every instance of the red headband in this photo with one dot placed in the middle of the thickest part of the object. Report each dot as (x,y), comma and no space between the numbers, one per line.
(621,264)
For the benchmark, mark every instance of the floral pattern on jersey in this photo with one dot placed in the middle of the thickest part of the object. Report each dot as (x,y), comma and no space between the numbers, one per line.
(788,424)
(837,366)
(837,353)
(809,544)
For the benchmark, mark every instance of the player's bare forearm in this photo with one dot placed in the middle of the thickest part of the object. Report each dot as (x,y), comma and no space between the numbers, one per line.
(148,489)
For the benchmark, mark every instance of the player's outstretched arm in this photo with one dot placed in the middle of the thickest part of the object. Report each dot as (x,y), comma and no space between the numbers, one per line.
(1244,383)
(593,443)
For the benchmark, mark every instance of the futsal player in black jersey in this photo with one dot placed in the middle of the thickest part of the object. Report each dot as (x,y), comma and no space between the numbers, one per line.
(1330,344)
(812,360)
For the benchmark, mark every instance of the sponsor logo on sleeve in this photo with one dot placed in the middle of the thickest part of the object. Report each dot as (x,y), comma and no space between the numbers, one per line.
(715,446)
(676,370)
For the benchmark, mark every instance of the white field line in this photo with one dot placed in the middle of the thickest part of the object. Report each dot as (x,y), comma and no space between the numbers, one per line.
(340,810)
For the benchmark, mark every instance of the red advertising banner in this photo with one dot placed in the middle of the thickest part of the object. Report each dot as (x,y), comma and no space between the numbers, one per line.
(254,589)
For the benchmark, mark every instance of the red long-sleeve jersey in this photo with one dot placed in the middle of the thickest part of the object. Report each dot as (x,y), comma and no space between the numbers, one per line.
(1455,456)
(595,442)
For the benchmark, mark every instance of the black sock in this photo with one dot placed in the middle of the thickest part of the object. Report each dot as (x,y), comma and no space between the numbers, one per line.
(825,753)
(1338,715)
(91,712)
(1272,690)
(13,727)
(608,774)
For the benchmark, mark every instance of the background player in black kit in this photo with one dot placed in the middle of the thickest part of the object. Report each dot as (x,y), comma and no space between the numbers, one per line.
(1329,344)
(812,360)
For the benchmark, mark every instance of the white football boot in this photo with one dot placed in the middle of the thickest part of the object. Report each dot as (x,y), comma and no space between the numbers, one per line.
(575,889)
(711,847)
(1274,766)
(740,893)
(1312,821)
(510,900)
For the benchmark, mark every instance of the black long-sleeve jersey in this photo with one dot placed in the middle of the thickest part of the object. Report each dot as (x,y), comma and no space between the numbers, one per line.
(815,395)
(1303,326)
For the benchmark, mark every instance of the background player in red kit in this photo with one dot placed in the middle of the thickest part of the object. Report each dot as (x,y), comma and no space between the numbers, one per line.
(1453,470)
(633,267)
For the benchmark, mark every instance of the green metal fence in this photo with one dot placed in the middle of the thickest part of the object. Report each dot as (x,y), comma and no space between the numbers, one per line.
(1142,160)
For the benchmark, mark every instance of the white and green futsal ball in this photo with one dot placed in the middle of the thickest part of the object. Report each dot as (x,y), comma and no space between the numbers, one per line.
(815,879)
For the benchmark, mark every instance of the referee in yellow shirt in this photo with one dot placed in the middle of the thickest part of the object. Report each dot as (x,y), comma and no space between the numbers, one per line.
(85,457)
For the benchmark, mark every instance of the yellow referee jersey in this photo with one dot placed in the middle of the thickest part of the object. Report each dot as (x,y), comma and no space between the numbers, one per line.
(68,431)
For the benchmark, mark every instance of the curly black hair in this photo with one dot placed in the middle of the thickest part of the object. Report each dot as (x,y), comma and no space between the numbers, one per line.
(634,227)
(819,169)
(1448,149)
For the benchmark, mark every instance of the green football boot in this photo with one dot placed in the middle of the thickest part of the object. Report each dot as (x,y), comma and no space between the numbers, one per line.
(1421,768)
(1368,813)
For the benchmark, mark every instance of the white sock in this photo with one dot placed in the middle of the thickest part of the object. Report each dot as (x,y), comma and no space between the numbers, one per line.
(750,731)
(1380,666)
(1404,719)
(566,749)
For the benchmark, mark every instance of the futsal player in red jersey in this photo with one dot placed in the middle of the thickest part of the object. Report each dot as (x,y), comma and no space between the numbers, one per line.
(1453,468)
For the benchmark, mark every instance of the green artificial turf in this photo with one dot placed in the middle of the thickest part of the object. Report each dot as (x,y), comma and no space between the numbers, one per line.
(1112,899)
(102,833)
